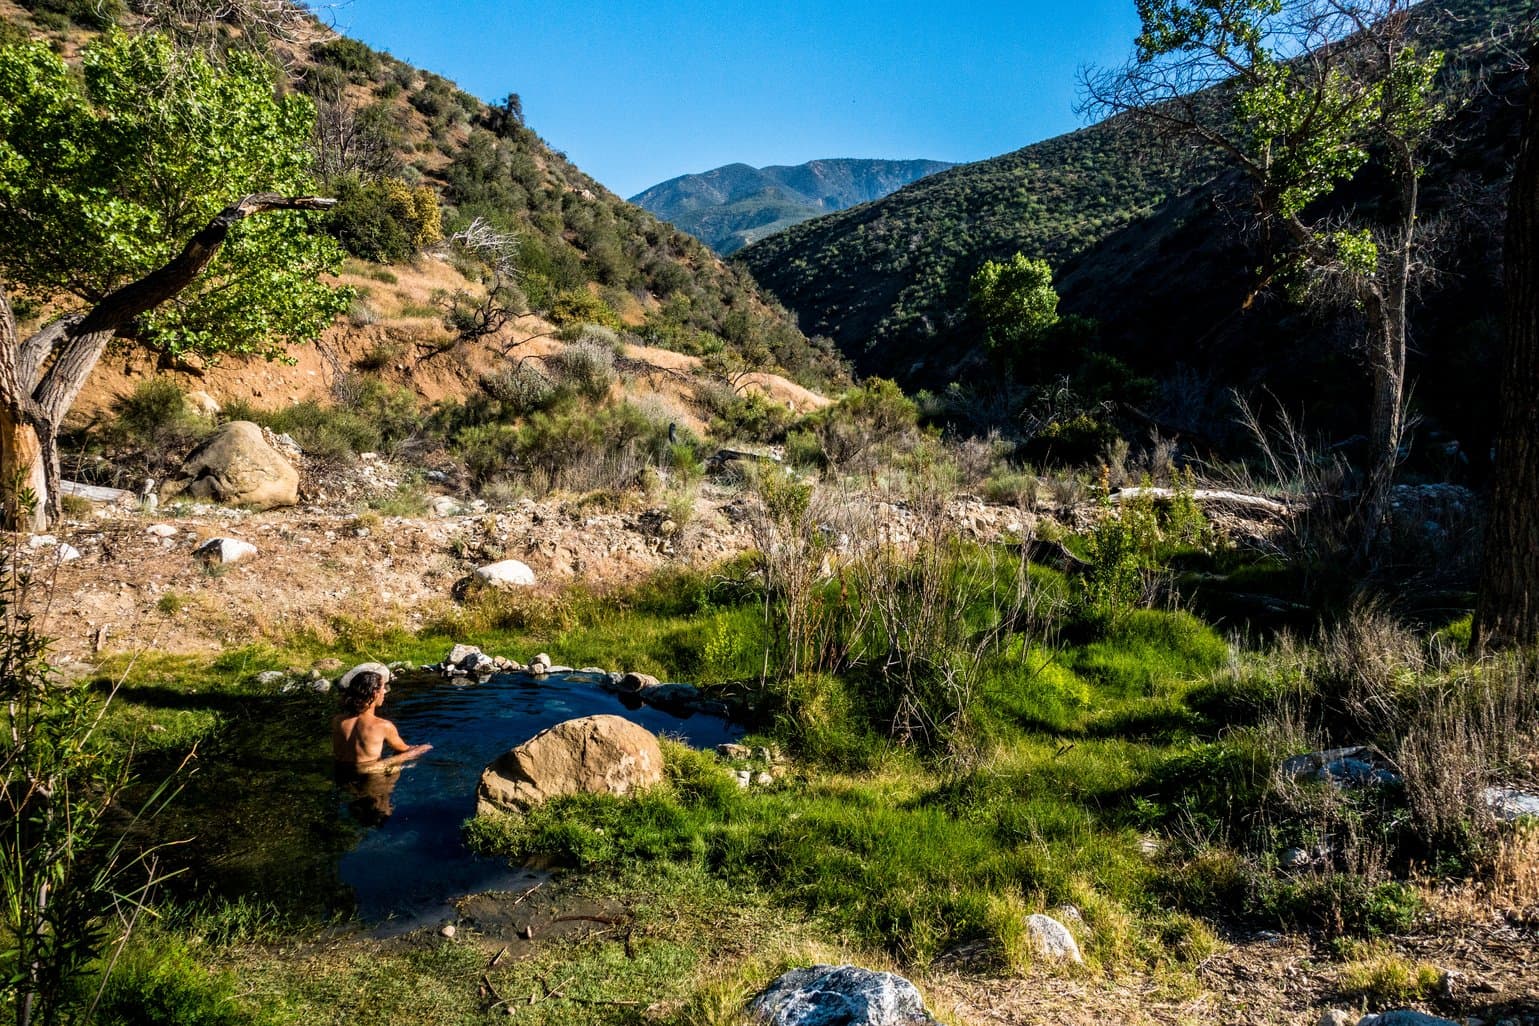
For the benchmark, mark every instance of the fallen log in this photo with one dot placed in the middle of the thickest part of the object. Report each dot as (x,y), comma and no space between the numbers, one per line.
(1210,496)
(98,493)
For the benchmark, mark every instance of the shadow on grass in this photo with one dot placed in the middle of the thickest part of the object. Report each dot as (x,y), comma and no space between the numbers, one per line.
(257,808)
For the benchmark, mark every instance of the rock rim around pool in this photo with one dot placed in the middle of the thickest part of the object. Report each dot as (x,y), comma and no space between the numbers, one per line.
(591,755)
(840,995)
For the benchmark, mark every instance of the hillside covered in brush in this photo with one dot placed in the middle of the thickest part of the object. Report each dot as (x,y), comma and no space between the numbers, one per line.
(416,160)
(729,207)
(1149,241)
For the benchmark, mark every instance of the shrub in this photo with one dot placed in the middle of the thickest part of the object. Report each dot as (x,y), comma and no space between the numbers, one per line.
(575,307)
(92,14)
(1013,488)
(1340,904)
(68,863)
(866,422)
(1381,977)
(163,983)
(323,81)
(155,418)
(1070,440)
(521,389)
(384,219)
(326,433)
(567,447)
(750,418)
(357,59)
(367,416)
(588,367)
(1114,582)
(488,450)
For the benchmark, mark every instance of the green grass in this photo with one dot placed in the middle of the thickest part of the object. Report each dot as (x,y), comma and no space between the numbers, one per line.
(889,851)
(1084,744)
(688,939)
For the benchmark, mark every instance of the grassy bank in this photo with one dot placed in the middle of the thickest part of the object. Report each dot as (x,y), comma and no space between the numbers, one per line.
(1043,742)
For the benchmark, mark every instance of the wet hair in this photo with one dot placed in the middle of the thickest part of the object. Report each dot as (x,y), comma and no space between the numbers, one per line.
(360,691)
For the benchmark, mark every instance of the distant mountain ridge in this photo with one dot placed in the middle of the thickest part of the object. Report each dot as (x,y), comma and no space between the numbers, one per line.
(731,206)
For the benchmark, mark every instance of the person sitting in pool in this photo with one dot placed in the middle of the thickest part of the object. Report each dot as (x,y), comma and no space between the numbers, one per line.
(359,737)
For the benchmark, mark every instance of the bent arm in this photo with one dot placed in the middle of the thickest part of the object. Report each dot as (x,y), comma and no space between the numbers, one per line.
(406,751)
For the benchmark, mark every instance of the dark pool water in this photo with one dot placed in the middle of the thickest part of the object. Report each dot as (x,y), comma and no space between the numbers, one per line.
(410,860)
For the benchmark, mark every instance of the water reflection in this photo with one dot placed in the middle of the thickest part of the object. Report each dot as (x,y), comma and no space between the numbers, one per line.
(369,793)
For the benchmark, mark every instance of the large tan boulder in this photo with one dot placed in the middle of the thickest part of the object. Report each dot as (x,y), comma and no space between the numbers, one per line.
(236,466)
(591,755)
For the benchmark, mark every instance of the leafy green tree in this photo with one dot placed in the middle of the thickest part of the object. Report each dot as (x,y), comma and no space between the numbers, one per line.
(126,195)
(1013,302)
(1303,96)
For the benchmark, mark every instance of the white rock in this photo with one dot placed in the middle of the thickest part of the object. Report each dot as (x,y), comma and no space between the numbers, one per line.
(510,573)
(1335,1017)
(41,541)
(743,778)
(379,668)
(763,779)
(222,551)
(267,678)
(1052,939)
(68,552)
(459,654)
(1508,803)
(447,930)
(1404,1017)
(445,506)
(203,403)
(161,530)
(1294,858)
(840,995)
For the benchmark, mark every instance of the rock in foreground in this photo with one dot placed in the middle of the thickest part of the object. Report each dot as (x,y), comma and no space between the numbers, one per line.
(510,573)
(840,995)
(222,551)
(237,467)
(1051,939)
(1404,1017)
(591,755)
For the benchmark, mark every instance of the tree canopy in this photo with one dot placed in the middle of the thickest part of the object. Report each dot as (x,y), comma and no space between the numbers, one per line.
(106,173)
(1302,96)
(1014,301)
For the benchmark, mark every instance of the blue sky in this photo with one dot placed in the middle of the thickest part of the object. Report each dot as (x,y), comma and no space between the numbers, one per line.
(637,93)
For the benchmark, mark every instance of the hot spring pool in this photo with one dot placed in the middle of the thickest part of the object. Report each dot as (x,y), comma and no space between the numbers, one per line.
(409,859)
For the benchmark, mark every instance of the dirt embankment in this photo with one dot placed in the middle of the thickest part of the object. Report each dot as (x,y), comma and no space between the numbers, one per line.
(137,582)
(395,333)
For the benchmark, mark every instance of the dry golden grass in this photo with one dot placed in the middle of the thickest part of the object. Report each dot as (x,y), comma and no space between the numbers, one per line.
(1507,887)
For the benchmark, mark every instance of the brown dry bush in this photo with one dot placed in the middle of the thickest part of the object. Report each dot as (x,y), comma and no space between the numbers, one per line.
(1449,728)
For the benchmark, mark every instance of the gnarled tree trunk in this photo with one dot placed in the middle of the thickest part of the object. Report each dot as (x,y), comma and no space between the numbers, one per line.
(22,471)
(40,378)
(1507,612)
